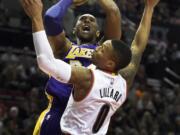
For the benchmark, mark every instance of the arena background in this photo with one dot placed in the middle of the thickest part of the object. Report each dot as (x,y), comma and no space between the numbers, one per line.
(153,105)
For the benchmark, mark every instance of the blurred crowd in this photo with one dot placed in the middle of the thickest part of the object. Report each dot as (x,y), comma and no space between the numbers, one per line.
(167,12)
(21,94)
(167,15)
(152,107)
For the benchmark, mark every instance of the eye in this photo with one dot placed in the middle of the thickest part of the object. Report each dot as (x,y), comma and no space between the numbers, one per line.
(82,18)
(92,19)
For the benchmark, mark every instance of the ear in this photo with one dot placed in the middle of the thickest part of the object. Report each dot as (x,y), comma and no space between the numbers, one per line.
(97,33)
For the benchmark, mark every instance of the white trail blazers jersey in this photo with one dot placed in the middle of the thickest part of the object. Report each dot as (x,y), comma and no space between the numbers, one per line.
(92,115)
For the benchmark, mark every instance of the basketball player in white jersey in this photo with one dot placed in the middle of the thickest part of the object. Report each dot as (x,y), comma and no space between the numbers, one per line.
(99,92)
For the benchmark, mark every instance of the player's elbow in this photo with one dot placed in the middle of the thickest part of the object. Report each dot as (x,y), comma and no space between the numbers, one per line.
(114,14)
(114,10)
(49,19)
(40,61)
(53,24)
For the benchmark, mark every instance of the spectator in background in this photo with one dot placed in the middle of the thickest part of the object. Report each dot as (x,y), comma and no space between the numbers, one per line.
(13,124)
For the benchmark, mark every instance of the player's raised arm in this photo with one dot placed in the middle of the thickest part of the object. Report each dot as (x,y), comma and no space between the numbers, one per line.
(45,58)
(55,67)
(112,28)
(53,21)
(140,41)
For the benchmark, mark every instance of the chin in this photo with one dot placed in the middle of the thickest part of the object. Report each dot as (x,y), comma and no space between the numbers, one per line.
(86,37)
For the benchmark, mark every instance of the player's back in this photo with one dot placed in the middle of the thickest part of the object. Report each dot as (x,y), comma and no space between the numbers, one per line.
(92,114)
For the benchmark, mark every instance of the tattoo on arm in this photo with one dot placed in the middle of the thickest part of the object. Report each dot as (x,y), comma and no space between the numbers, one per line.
(138,46)
(130,71)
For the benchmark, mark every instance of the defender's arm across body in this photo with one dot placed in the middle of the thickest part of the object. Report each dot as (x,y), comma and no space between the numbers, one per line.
(140,42)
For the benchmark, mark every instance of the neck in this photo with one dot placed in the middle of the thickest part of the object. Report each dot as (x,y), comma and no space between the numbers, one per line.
(80,42)
(108,71)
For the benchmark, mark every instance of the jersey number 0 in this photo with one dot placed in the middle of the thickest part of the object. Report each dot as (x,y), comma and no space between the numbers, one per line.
(100,118)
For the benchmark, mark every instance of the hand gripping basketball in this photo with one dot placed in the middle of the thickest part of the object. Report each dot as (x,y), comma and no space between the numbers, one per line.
(79,2)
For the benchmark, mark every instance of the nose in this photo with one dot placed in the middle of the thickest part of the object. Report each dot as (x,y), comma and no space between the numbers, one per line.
(87,20)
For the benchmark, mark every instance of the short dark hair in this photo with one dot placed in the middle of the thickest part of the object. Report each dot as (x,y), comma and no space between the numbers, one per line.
(122,52)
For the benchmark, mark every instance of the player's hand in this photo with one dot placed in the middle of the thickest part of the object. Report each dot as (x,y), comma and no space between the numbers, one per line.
(33,8)
(79,2)
(151,3)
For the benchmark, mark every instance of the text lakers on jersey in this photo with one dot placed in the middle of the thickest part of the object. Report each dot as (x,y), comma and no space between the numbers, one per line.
(79,52)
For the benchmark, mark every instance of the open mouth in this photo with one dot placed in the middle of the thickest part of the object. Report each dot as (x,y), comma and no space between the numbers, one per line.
(86,28)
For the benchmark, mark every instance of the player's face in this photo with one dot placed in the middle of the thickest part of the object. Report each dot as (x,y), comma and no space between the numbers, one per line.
(86,28)
(103,55)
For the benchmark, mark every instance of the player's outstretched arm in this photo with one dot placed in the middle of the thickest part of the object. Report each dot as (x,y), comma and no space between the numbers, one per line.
(46,60)
(112,28)
(140,42)
(53,21)
(56,67)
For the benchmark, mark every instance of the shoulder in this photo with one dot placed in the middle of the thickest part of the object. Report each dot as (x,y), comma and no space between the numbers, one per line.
(80,75)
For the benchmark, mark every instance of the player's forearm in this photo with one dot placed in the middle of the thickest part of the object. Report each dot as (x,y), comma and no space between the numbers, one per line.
(46,61)
(142,34)
(112,28)
(41,44)
(138,46)
(54,16)
(37,24)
